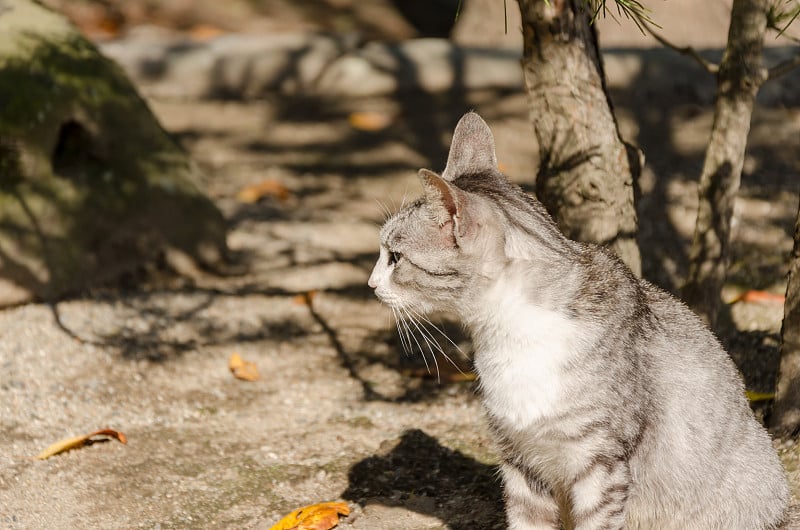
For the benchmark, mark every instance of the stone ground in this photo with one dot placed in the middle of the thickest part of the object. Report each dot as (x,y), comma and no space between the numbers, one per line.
(340,411)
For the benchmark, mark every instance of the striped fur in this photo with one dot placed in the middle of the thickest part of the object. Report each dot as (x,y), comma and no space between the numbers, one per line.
(611,404)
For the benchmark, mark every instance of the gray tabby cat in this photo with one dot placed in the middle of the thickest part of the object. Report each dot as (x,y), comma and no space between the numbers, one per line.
(612,405)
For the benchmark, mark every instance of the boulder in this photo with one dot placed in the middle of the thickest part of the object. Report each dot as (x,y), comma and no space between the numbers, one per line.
(91,186)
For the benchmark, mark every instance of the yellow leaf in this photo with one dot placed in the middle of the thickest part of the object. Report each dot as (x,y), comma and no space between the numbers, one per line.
(759,396)
(370,121)
(459,377)
(241,369)
(323,516)
(235,361)
(75,442)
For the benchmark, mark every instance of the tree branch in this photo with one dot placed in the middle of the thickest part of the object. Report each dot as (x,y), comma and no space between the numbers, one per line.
(783,67)
(708,66)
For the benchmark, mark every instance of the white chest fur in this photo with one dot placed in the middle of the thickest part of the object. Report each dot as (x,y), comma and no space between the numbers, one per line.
(522,353)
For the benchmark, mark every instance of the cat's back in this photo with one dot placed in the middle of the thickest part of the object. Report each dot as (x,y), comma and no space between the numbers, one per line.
(706,450)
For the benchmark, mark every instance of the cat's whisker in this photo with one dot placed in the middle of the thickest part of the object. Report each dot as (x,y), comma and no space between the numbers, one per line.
(438,346)
(431,341)
(407,334)
(387,213)
(442,333)
(427,338)
(406,348)
(413,336)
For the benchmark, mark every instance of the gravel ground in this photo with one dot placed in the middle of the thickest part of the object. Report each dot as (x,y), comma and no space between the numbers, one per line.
(339,412)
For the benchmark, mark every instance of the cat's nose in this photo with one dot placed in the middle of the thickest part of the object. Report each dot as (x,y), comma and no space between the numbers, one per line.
(373,283)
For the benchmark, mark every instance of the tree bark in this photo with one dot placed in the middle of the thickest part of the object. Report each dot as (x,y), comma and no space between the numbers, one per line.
(785,418)
(739,78)
(586,172)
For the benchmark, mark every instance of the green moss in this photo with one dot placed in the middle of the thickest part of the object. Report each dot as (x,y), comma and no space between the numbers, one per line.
(90,183)
(361,422)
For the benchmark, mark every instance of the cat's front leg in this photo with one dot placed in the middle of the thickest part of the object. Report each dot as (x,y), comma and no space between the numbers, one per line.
(529,503)
(600,494)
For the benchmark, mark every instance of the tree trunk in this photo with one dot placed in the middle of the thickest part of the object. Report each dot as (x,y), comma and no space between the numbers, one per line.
(738,80)
(586,172)
(785,418)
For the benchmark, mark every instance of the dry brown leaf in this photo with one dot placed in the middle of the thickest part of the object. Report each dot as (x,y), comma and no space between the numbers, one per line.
(96,21)
(305,298)
(370,121)
(322,516)
(241,369)
(204,32)
(265,188)
(760,297)
(68,444)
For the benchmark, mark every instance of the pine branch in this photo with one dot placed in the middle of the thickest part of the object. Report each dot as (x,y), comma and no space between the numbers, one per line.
(631,9)
(783,67)
(777,17)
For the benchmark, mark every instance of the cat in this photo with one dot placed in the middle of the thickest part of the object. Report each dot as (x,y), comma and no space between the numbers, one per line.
(611,404)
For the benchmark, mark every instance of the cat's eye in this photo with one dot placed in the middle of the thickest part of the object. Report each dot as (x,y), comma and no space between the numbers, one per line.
(394,257)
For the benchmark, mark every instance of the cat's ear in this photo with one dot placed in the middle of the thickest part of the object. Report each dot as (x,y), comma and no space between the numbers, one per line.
(441,195)
(448,203)
(472,149)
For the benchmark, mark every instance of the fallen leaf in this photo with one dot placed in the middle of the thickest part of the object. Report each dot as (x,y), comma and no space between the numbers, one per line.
(370,121)
(204,32)
(97,21)
(265,188)
(75,442)
(761,297)
(323,516)
(241,369)
(759,396)
(305,298)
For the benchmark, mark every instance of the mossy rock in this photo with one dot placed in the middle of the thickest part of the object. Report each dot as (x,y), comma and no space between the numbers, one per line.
(91,186)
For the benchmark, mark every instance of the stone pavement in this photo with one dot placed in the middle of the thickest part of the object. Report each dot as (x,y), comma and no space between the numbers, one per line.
(340,412)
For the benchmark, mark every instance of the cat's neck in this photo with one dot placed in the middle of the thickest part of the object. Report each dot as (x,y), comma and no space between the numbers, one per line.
(520,297)
(541,280)
(524,336)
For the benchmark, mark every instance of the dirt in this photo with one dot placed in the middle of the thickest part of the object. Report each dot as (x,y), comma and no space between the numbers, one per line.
(341,412)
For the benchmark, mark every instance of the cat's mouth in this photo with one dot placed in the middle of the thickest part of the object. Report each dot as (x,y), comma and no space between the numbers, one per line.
(387,299)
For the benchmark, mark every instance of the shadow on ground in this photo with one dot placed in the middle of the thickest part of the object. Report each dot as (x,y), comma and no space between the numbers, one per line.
(422,475)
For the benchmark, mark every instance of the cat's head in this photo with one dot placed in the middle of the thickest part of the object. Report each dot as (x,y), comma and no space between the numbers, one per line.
(435,250)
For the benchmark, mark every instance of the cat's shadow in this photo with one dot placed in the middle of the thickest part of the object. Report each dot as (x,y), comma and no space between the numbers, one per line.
(420,474)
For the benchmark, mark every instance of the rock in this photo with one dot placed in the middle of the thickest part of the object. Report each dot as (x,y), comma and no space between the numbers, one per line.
(91,185)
